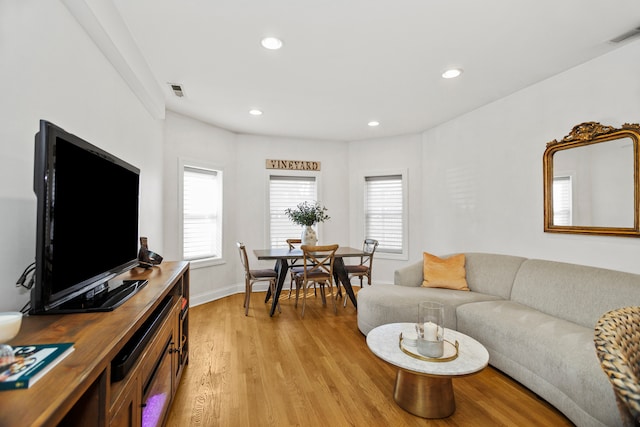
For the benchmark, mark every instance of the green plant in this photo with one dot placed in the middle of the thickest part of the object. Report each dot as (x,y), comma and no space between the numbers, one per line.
(307,213)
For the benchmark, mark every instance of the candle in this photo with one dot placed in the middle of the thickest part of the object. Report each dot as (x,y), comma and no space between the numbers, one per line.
(430,331)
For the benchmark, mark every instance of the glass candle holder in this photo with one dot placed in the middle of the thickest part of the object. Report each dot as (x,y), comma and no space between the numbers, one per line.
(430,329)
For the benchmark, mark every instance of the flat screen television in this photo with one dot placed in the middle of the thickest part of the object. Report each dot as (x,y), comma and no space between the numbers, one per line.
(87,224)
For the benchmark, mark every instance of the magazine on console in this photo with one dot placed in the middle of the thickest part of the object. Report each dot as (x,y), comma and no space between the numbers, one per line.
(31,362)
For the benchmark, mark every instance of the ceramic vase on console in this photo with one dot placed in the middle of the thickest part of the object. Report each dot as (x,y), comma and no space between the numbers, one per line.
(9,327)
(309,236)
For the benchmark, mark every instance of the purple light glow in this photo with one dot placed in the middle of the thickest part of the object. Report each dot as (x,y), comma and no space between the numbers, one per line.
(153,410)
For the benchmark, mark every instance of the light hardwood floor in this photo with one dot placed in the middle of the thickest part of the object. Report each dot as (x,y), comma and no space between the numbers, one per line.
(318,371)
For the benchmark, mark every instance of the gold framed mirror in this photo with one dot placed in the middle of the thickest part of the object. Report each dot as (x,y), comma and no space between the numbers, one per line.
(592,181)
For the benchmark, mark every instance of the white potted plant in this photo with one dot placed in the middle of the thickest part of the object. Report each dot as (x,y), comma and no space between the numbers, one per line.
(307,215)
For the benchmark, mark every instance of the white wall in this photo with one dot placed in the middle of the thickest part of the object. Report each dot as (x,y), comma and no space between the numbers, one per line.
(242,158)
(475,183)
(246,192)
(191,139)
(482,172)
(252,187)
(52,70)
(252,209)
(377,157)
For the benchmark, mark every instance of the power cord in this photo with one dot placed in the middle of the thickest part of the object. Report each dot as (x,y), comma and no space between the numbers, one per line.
(26,308)
(29,271)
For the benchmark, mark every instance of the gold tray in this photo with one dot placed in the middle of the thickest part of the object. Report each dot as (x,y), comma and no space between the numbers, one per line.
(450,352)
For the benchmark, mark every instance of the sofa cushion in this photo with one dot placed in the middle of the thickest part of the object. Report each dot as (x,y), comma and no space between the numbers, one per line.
(448,273)
(491,274)
(410,275)
(573,292)
(553,357)
(380,304)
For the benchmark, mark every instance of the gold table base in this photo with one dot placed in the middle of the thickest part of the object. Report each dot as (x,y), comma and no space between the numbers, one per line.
(424,396)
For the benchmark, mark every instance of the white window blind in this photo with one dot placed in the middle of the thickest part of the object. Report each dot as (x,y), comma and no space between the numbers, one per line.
(287,192)
(562,201)
(384,212)
(202,213)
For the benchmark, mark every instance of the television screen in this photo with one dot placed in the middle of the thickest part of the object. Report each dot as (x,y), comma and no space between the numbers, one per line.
(87,221)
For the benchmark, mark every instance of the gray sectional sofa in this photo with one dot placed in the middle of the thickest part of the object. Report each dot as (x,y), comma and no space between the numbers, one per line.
(536,318)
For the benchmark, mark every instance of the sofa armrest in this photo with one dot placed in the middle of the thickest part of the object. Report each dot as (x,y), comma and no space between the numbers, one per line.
(410,275)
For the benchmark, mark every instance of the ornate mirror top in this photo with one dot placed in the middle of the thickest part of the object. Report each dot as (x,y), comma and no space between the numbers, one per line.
(588,131)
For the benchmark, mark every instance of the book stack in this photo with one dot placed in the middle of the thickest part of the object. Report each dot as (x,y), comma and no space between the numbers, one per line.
(30,363)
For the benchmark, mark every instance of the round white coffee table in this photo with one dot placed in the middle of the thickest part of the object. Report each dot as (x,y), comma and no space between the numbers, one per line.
(424,388)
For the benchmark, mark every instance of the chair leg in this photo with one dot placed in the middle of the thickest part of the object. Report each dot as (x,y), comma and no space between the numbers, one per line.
(334,297)
(304,298)
(247,296)
(290,286)
(324,299)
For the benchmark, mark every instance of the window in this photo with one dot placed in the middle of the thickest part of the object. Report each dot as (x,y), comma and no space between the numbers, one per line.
(287,192)
(562,201)
(384,212)
(201,213)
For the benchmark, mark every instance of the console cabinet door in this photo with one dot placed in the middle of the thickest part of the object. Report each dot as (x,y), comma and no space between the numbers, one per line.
(127,412)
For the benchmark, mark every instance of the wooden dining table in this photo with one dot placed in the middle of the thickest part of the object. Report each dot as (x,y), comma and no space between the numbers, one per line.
(282,256)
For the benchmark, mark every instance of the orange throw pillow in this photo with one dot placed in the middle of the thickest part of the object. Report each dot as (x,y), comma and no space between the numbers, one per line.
(446,273)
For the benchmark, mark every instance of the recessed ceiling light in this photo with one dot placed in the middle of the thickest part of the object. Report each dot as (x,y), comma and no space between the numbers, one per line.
(373,123)
(255,112)
(271,43)
(452,73)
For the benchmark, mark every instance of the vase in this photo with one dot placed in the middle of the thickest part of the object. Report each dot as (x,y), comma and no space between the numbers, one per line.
(309,236)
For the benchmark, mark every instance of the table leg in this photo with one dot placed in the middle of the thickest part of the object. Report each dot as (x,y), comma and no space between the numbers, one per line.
(340,276)
(282,267)
(424,396)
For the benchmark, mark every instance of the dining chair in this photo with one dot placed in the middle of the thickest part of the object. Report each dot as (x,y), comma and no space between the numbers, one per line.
(253,276)
(293,242)
(293,268)
(617,341)
(317,269)
(366,262)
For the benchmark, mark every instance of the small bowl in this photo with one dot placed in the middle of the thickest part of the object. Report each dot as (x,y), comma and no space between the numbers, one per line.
(10,322)
(410,337)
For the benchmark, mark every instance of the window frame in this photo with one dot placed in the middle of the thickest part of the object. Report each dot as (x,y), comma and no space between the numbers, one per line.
(403,173)
(196,164)
(288,173)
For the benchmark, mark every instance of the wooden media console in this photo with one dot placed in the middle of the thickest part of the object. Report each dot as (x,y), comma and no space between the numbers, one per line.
(126,365)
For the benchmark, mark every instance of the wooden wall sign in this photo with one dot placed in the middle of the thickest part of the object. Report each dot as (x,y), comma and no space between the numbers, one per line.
(297,165)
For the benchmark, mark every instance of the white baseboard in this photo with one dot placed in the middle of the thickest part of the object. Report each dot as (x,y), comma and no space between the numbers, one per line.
(216,294)
(233,289)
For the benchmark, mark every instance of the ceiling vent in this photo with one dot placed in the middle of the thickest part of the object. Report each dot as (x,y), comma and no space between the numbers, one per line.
(177,89)
(626,36)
